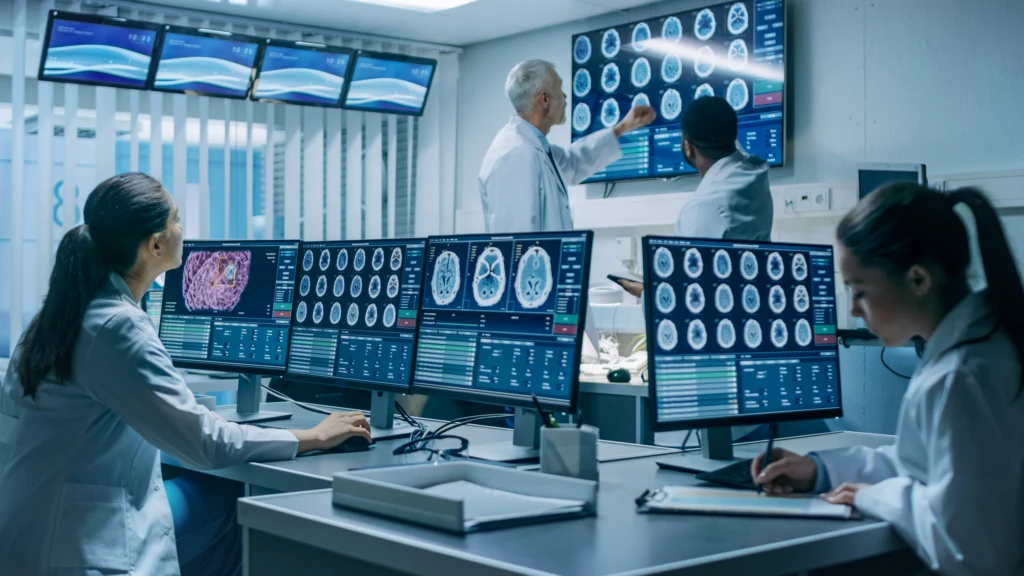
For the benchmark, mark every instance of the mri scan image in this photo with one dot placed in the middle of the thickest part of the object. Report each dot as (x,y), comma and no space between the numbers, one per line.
(801,299)
(665,298)
(446,281)
(581,117)
(776,267)
(339,286)
(667,335)
(353,314)
(307,260)
(581,50)
(300,313)
(335,313)
(641,99)
(304,286)
(610,43)
(215,280)
(737,54)
(321,286)
(581,83)
(355,287)
(360,260)
(748,265)
(799,268)
(342,262)
(641,36)
(671,104)
(723,264)
(378,259)
(703,90)
(610,113)
(318,313)
(396,259)
(693,263)
(371,315)
(374,289)
(704,62)
(389,316)
(393,286)
(534,281)
(610,77)
(737,94)
(777,299)
(671,68)
(672,29)
(802,333)
(696,335)
(780,334)
(726,334)
(694,298)
(738,19)
(751,299)
(752,334)
(723,299)
(641,72)
(325,259)
(664,264)
(489,277)
(704,25)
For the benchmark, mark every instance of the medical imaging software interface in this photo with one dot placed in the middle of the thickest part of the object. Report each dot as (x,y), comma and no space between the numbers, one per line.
(355,312)
(500,314)
(741,329)
(230,304)
(734,51)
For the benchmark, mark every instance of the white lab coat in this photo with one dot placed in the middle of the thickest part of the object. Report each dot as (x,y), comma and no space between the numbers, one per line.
(519,188)
(81,491)
(732,202)
(953,483)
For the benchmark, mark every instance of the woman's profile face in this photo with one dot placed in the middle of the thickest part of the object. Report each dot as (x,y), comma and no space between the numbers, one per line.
(175,235)
(886,302)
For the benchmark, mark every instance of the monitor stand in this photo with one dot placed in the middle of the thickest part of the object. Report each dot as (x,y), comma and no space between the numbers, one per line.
(383,425)
(247,407)
(716,451)
(525,445)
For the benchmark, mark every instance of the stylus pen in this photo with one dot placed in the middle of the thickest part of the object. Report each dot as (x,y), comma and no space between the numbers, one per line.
(767,457)
(548,420)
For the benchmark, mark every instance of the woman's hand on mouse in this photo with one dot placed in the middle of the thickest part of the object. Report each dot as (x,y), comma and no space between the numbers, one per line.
(335,429)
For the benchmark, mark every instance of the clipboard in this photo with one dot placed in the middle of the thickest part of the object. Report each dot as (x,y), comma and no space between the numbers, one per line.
(721,501)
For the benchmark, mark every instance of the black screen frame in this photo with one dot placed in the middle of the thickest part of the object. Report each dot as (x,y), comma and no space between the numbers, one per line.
(300,45)
(204,33)
(394,58)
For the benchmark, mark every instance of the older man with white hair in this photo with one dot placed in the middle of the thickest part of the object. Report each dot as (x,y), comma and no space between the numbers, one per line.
(523,177)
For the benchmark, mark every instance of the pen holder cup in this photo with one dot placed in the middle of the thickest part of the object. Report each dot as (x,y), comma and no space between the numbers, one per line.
(569,452)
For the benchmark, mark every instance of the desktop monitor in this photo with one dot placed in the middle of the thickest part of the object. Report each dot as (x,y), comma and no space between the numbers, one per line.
(301,73)
(152,303)
(389,83)
(99,50)
(872,176)
(205,62)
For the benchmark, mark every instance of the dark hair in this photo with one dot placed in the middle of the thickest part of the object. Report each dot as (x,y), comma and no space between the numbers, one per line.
(119,215)
(710,125)
(900,225)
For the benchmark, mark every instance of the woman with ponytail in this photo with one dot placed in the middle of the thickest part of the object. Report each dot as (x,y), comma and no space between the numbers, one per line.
(953,483)
(91,397)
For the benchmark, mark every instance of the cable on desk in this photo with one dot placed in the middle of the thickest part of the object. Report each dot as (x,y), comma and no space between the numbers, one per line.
(302,405)
(889,368)
(459,422)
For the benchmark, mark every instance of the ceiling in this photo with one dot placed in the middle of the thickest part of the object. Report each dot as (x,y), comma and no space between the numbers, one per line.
(474,22)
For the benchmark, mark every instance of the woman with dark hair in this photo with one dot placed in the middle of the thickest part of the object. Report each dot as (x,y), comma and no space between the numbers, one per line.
(91,397)
(953,483)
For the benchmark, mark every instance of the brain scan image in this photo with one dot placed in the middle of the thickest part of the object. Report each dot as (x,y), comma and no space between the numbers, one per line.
(641,36)
(780,334)
(300,313)
(304,286)
(641,99)
(378,259)
(610,43)
(703,91)
(641,72)
(738,18)
(801,300)
(389,316)
(318,313)
(667,335)
(704,62)
(777,299)
(737,54)
(726,334)
(737,94)
(355,287)
(610,77)
(693,263)
(799,268)
(371,315)
(696,335)
(307,260)
(393,286)
(339,286)
(671,68)
(581,50)
(396,259)
(704,25)
(694,298)
(215,280)
(748,266)
(325,259)
(752,334)
(776,267)
(751,299)
(802,333)
(671,104)
(321,286)
(533,278)
(489,277)
(665,298)
(359,262)
(446,281)
(581,117)
(374,289)
(335,313)
(672,29)
(610,113)
(723,264)
(664,264)
(723,299)
(352,316)
(342,262)
(581,83)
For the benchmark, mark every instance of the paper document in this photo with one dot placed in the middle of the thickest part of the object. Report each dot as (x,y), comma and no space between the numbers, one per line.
(482,505)
(742,502)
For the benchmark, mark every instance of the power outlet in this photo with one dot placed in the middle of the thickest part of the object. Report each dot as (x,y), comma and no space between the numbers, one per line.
(810,200)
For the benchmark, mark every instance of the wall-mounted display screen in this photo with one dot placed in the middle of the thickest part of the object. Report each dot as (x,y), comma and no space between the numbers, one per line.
(206,62)
(390,83)
(97,50)
(735,51)
(302,73)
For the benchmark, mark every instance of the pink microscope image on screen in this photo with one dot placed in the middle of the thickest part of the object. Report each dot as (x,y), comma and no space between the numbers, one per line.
(215,280)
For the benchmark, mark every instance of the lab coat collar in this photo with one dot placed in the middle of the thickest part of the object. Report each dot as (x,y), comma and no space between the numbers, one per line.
(531,132)
(735,158)
(119,288)
(971,319)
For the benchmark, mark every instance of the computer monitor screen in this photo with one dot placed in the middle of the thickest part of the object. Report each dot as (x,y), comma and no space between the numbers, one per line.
(740,333)
(101,50)
(502,316)
(229,306)
(355,313)
(390,83)
(871,177)
(301,73)
(200,61)
(734,50)
(153,303)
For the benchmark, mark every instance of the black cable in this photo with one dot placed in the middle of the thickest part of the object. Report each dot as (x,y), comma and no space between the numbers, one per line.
(459,422)
(686,439)
(889,368)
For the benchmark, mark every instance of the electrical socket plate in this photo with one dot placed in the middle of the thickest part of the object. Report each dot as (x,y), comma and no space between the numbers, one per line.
(810,200)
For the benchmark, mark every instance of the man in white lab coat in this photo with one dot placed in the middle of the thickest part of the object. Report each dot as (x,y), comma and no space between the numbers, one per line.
(523,177)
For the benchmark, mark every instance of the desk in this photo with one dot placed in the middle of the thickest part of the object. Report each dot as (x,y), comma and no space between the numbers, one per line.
(618,541)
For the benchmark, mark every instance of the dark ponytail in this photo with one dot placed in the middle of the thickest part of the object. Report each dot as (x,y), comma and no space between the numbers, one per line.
(119,214)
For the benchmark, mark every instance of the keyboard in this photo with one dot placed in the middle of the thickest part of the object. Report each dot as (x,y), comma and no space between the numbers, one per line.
(735,475)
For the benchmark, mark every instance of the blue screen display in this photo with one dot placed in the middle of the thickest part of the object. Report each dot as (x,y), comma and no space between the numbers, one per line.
(206,65)
(92,52)
(297,75)
(389,86)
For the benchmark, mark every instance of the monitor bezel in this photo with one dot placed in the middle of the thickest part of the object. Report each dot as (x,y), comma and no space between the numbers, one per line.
(517,400)
(311,47)
(204,33)
(739,420)
(394,58)
(357,384)
(920,169)
(107,21)
(224,367)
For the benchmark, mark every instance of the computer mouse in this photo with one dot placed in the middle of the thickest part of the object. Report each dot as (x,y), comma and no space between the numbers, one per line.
(353,444)
(619,375)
